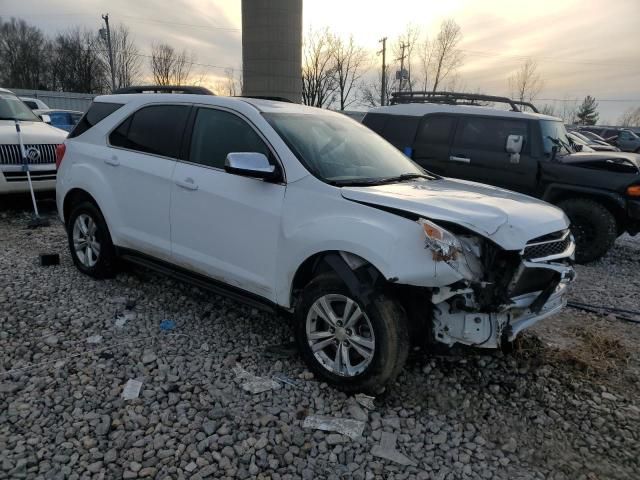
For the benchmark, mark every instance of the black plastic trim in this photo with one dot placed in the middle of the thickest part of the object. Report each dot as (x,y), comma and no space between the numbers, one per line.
(198,280)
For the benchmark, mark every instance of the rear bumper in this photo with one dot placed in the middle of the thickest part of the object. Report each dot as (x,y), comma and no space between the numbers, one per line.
(14,180)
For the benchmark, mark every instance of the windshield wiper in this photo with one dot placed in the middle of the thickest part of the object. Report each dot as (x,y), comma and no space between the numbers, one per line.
(356,182)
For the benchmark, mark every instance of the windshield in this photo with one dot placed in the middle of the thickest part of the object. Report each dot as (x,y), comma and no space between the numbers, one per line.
(340,151)
(554,134)
(12,108)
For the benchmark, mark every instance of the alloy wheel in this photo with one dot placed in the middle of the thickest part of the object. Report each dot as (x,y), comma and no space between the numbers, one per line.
(340,335)
(85,243)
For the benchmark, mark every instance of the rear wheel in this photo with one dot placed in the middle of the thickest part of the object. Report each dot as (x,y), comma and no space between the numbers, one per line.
(90,242)
(353,346)
(593,226)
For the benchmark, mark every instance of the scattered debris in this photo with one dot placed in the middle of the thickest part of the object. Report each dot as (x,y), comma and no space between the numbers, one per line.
(131,389)
(48,259)
(346,426)
(366,401)
(123,318)
(282,350)
(356,411)
(387,450)
(130,304)
(94,339)
(282,378)
(167,325)
(253,384)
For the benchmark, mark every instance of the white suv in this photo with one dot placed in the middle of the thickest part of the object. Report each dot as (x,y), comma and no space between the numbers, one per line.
(306,211)
(40,142)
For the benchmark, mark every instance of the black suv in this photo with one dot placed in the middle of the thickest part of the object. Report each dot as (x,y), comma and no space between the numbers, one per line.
(458,135)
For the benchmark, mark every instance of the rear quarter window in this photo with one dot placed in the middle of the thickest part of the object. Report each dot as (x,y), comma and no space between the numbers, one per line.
(376,122)
(401,130)
(97,112)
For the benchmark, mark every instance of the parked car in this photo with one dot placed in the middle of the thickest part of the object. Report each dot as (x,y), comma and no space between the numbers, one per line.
(305,211)
(525,152)
(34,103)
(628,141)
(63,119)
(604,132)
(40,142)
(594,138)
(589,145)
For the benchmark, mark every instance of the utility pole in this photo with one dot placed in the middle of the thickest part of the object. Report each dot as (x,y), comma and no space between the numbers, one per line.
(402,57)
(106,34)
(384,70)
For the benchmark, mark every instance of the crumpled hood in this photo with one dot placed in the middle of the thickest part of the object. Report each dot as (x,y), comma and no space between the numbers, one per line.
(509,219)
(32,133)
(600,157)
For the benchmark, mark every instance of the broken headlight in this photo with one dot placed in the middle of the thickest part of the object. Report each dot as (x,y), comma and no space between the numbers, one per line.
(444,244)
(461,254)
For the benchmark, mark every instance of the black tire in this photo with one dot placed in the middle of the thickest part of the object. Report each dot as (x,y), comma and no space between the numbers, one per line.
(105,264)
(391,337)
(593,226)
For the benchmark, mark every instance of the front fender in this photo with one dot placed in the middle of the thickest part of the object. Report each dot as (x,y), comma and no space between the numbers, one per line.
(320,220)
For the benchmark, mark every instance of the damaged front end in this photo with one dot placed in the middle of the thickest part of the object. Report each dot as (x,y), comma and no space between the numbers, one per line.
(500,292)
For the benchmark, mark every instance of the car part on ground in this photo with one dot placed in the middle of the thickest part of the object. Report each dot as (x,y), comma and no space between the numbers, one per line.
(454,135)
(307,212)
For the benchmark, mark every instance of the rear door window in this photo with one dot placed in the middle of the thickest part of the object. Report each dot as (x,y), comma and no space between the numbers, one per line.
(376,122)
(217,133)
(155,129)
(97,112)
(489,134)
(435,130)
(400,130)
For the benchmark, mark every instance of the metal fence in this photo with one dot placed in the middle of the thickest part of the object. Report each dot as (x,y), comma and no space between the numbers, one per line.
(62,100)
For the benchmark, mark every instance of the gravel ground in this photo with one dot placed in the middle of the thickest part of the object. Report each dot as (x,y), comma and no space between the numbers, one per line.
(540,412)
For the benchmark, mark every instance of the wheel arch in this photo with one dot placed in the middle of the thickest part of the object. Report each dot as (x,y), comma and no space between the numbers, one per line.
(612,201)
(73,197)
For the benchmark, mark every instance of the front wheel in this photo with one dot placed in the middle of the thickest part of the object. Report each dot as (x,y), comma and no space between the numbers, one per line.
(352,346)
(593,226)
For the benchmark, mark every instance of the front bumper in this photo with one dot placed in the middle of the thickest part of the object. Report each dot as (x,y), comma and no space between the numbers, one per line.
(14,180)
(454,320)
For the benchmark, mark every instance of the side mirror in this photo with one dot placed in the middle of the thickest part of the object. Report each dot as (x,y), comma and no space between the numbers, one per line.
(514,143)
(514,147)
(46,118)
(251,164)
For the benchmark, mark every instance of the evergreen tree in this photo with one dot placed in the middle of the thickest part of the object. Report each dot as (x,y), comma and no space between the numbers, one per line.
(587,112)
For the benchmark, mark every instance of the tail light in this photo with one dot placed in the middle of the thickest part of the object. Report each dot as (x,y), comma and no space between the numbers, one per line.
(60,150)
(634,191)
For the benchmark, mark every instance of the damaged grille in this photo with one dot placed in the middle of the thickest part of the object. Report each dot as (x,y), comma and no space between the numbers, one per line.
(46,153)
(552,244)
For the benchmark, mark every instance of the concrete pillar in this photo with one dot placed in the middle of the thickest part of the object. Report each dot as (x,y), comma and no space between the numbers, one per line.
(272,48)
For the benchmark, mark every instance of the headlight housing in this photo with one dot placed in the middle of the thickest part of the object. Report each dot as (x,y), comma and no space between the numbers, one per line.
(444,244)
(461,254)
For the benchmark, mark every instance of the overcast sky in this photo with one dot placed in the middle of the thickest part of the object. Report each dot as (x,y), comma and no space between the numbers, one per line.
(582,46)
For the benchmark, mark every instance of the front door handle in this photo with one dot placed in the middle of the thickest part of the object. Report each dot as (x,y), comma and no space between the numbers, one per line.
(113,161)
(187,184)
(453,158)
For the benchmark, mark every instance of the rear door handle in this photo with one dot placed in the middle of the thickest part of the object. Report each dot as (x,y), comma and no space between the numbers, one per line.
(453,158)
(113,161)
(187,184)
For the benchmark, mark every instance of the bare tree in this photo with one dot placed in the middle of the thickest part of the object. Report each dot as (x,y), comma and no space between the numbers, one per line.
(370,93)
(525,84)
(231,84)
(630,118)
(446,56)
(349,62)
(410,40)
(23,63)
(318,69)
(425,56)
(170,67)
(76,65)
(127,63)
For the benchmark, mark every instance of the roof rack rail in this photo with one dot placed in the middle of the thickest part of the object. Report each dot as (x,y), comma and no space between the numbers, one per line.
(456,98)
(164,89)
(266,97)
